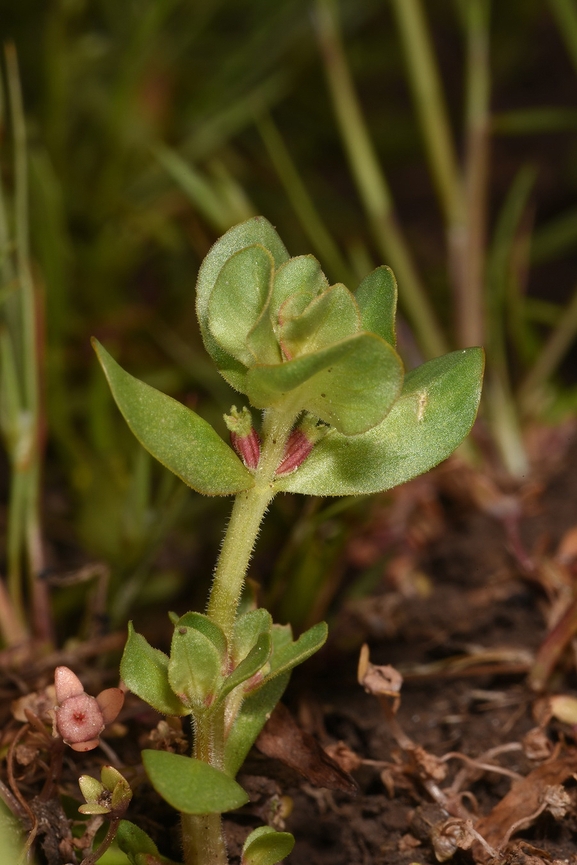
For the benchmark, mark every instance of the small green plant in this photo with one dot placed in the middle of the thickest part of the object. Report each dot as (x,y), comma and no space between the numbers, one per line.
(340,417)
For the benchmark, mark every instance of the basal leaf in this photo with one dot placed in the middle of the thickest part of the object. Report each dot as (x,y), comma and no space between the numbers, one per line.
(350,385)
(265,846)
(239,296)
(138,846)
(132,840)
(249,666)
(252,717)
(376,297)
(144,670)
(207,627)
(289,655)
(247,629)
(433,415)
(194,669)
(176,436)
(192,786)
(257,707)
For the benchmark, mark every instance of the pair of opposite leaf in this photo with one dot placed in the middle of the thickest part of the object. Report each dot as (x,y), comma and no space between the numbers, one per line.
(280,334)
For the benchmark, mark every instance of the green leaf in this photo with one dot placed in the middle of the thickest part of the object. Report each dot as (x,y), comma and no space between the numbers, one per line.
(178,438)
(262,342)
(258,705)
(433,415)
(288,654)
(132,840)
(253,715)
(299,275)
(195,667)
(329,318)
(248,627)
(249,666)
(265,846)
(257,230)
(144,670)
(350,385)
(207,627)
(137,845)
(376,297)
(192,786)
(239,296)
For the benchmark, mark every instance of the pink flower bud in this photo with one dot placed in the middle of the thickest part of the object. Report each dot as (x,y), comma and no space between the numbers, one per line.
(243,436)
(298,447)
(300,443)
(247,447)
(80,718)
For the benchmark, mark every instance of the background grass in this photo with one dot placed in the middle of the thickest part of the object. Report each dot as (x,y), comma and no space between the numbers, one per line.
(154,126)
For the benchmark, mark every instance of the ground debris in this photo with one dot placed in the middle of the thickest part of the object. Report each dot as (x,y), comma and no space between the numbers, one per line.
(527,799)
(284,740)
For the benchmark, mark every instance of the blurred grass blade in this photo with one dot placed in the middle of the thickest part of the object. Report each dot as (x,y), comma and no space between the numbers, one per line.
(565,14)
(303,204)
(20,352)
(428,94)
(502,410)
(372,185)
(557,236)
(197,188)
(529,121)
(554,350)
(231,193)
(469,298)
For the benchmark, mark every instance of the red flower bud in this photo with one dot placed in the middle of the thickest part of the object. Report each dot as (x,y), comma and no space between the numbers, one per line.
(298,447)
(300,443)
(243,436)
(247,447)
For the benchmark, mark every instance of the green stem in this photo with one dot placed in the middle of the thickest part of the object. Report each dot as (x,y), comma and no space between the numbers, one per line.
(203,840)
(202,835)
(249,508)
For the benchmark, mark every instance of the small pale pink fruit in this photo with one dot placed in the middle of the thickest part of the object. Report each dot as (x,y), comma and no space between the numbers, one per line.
(80,718)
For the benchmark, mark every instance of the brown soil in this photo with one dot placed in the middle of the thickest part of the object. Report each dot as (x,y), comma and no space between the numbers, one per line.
(461,610)
(483,607)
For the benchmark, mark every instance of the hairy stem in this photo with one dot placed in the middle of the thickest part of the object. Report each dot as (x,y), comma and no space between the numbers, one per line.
(202,835)
(249,508)
(202,839)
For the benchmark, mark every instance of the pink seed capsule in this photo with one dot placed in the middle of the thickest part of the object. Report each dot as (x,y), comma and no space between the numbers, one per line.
(80,718)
